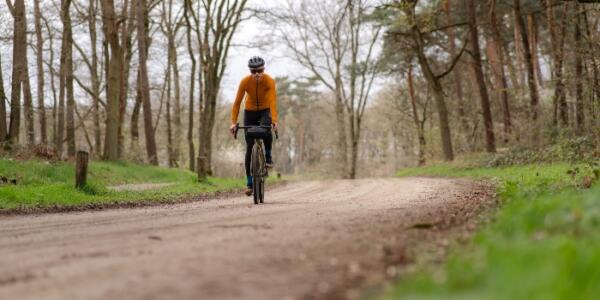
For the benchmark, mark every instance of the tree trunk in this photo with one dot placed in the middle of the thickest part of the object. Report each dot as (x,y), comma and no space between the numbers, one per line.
(67,32)
(519,53)
(142,24)
(490,139)
(135,116)
(115,65)
(39,45)
(52,72)
(533,93)
(190,133)
(177,110)
(497,66)
(95,76)
(60,129)
(557,41)
(457,76)
(534,38)
(170,148)
(26,86)
(211,88)
(28,105)
(438,94)
(18,69)
(2,107)
(341,127)
(418,123)
(579,76)
(126,43)
(595,80)
(170,28)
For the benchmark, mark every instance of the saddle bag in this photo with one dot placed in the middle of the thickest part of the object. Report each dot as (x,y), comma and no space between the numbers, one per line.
(257,132)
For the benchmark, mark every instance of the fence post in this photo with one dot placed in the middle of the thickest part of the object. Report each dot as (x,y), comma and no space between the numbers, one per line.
(201,168)
(81,167)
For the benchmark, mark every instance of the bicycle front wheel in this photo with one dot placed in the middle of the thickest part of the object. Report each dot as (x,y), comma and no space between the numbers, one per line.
(261,189)
(256,171)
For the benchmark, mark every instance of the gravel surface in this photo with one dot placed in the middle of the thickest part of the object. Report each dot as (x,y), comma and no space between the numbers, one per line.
(311,240)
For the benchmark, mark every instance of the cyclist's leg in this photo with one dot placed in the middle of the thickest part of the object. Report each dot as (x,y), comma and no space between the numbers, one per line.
(249,145)
(265,120)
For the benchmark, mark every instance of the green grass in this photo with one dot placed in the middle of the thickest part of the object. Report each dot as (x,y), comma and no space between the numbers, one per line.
(41,184)
(543,243)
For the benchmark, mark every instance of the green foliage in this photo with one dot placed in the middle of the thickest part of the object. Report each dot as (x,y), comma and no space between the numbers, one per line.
(544,242)
(42,184)
(580,149)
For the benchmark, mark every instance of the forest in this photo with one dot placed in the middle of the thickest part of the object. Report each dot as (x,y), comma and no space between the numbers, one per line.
(427,149)
(394,83)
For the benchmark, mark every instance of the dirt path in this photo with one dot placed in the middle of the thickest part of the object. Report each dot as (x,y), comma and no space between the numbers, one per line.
(311,240)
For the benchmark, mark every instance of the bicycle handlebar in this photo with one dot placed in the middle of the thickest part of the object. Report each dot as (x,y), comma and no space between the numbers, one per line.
(238,127)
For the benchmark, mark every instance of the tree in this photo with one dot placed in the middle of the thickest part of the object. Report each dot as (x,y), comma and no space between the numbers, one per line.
(478,70)
(579,76)
(457,76)
(524,40)
(557,41)
(321,52)
(410,30)
(190,132)
(363,69)
(170,25)
(53,73)
(144,88)
(67,73)
(39,46)
(497,63)
(114,79)
(221,20)
(19,73)
(419,121)
(126,30)
(341,57)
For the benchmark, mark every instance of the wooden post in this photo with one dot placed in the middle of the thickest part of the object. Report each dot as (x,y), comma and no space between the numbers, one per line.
(201,168)
(81,167)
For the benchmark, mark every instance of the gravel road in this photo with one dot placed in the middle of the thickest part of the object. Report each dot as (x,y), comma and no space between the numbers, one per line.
(311,240)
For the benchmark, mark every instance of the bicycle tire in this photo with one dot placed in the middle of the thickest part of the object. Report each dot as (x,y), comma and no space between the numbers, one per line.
(262,190)
(256,172)
(262,170)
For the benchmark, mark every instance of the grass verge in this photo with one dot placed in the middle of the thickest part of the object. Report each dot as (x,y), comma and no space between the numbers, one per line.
(543,242)
(42,185)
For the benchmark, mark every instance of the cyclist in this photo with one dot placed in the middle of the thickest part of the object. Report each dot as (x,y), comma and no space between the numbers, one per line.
(260,93)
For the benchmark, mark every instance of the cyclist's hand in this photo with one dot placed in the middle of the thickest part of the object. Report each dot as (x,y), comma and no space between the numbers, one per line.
(275,126)
(232,128)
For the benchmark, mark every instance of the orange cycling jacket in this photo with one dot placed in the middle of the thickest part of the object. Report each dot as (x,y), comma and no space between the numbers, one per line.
(259,95)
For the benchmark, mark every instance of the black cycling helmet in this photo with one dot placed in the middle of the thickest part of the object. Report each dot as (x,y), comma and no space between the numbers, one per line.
(256,62)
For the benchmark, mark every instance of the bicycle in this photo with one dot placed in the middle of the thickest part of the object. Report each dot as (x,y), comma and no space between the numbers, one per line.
(258,168)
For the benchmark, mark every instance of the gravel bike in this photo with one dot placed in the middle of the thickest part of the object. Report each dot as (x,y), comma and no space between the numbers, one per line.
(258,168)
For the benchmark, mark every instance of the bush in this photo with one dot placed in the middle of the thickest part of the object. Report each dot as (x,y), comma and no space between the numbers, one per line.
(575,150)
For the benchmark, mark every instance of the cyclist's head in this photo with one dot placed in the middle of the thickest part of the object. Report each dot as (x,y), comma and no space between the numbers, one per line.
(257,66)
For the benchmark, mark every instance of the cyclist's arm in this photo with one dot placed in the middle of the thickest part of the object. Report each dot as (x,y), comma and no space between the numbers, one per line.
(272,96)
(235,110)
